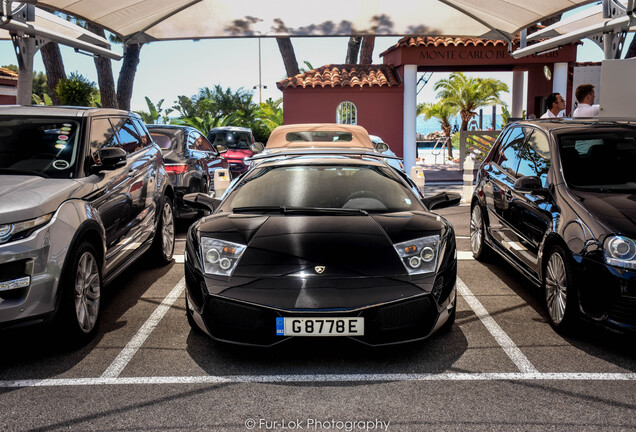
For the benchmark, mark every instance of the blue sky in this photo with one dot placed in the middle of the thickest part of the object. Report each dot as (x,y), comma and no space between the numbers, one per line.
(170,69)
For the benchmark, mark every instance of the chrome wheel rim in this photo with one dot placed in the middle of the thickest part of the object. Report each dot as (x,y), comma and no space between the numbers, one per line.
(476,234)
(556,288)
(167,230)
(87,292)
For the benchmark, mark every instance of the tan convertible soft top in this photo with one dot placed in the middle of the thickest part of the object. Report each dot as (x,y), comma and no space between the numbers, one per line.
(324,135)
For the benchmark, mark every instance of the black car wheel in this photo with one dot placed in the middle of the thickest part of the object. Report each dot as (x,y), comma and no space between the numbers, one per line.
(189,316)
(478,233)
(163,243)
(81,287)
(560,294)
(446,327)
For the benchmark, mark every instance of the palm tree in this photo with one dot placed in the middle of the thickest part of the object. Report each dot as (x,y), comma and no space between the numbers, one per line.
(443,111)
(271,113)
(467,94)
(206,122)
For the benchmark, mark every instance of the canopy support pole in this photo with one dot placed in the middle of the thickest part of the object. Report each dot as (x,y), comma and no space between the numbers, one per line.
(410,116)
(25,49)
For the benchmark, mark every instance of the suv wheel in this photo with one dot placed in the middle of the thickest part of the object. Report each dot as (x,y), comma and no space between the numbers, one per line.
(81,287)
(163,243)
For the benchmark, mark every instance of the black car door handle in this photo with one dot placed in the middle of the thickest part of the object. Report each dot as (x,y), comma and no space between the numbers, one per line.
(508,194)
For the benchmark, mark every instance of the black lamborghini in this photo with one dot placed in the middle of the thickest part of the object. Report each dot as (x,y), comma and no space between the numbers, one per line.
(322,246)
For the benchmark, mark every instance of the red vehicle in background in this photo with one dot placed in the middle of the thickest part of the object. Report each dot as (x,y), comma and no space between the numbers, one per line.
(239,142)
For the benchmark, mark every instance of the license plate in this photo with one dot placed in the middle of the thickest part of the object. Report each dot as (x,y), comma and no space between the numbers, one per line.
(320,326)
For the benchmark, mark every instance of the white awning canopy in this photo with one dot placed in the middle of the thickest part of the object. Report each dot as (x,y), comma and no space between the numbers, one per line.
(149,20)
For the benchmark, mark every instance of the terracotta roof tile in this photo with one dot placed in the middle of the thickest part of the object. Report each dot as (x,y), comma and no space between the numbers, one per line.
(8,73)
(343,76)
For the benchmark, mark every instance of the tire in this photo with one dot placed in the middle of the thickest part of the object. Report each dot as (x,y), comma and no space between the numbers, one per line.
(561,298)
(446,327)
(80,302)
(162,247)
(189,316)
(478,234)
(205,185)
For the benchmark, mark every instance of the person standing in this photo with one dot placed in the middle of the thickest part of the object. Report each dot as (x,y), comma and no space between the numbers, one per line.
(556,104)
(585,96)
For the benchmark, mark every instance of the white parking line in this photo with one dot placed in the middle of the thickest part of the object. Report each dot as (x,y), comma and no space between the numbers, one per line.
(509,347)
(464,256)
(137,341)
(321,378)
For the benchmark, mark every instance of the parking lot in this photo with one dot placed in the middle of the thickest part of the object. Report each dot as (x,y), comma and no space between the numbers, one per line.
(501,367)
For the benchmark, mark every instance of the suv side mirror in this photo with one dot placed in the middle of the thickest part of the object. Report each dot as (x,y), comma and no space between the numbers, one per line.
(110,158)
(257,147)
(530,184)
(442,200)
(202,201)
(221,148)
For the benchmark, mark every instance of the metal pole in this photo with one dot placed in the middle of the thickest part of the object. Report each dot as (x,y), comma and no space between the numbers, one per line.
(259,71)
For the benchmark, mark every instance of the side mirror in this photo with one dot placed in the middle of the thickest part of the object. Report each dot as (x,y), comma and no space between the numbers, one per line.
(110,158)
(201,201)
(530,185)
(221,148)
(442,200)
(381,147)
(257,147)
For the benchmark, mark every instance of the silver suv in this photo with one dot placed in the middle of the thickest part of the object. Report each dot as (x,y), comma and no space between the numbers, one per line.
(83,194)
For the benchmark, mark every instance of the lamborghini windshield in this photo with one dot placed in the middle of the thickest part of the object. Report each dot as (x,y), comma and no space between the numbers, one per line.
(322,187)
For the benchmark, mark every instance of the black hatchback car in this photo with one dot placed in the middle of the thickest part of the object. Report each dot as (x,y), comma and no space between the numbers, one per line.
(321,245)
(190,161)
(557,199)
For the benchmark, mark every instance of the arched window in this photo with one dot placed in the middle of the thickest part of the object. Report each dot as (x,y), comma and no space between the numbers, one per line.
(347,113)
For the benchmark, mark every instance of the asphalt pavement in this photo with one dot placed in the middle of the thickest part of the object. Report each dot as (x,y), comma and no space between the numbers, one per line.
(500,368)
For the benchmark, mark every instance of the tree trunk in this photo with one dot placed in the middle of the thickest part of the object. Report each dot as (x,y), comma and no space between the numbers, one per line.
(127,75)
(105,80)
(446,128)
(289,57)
(54,66)
(353,49)
(631,51)
(366,52)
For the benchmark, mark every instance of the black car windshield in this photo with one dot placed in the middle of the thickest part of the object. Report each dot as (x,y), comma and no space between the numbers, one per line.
(322,187)
(235,140)
(39,145)
(601,160)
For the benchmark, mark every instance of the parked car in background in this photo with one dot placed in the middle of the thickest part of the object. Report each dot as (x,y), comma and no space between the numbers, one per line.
(239,142)
(190,161)
(319,244)
(555,198)
(395,163)
(83,194)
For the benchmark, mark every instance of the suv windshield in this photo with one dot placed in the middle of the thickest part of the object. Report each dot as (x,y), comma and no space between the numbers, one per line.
(39,145)
(234,140)
(369,188)
(601,160)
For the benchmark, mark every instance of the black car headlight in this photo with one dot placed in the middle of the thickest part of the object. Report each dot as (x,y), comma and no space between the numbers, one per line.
(22,229)
(620,251)
(220,257)
(419,255)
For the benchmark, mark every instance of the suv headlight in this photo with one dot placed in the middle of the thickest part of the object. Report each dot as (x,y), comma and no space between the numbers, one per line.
(620,251)
(220,257)
(419,255)
(22,229)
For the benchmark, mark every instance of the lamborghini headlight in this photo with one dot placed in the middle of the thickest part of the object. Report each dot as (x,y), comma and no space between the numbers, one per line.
(419,255)
(620,251)
(220,257)
(23,228)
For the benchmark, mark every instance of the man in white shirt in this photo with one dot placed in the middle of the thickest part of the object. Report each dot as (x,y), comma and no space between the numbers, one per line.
(585,96)
(556,104)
